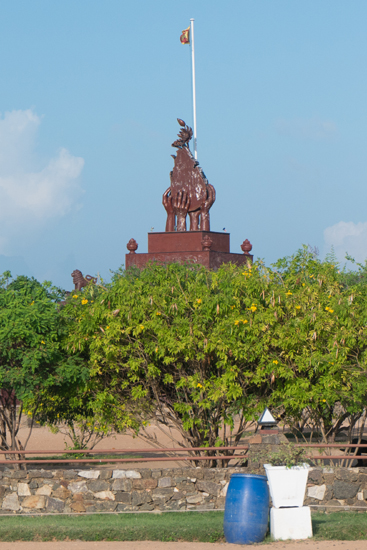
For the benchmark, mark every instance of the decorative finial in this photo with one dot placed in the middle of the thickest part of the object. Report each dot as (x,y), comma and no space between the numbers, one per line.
(132,245)
(246,247)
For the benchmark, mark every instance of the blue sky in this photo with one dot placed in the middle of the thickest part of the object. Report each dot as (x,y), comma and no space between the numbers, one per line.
(90,92)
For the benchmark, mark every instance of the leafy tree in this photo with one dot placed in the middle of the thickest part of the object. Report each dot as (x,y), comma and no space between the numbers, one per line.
(200,353)
(317,342)
(71,413)
(32,361)
(351,277)
(173,345)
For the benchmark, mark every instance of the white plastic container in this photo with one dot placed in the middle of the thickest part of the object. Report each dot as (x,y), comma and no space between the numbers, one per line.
(290,523)
(287,486)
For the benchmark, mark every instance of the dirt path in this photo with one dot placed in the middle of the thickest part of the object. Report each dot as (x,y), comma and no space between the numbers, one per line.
(145,545)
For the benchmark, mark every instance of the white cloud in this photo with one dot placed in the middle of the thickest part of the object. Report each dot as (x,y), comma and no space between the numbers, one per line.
(347,237)
(30,193)
(307,128)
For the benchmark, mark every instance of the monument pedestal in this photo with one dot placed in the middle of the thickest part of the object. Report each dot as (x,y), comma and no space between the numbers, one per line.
(290,523)
(208,248)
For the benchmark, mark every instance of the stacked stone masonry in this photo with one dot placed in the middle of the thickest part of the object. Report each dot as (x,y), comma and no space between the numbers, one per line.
(337,488)
(67,491)
(105,490)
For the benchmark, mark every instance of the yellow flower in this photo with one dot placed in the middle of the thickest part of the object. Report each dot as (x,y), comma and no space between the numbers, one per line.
(42,342)
(199,386)
(85,301)
(199,300)
(303,284)
(156,349)
(141,326)
(245,321)
(289,293)
(298,307)
(32,303)
(253,308)
(232,307)
(311,276)
(107,328)
(75,296)
(331,310)
(236,322)
(275,362)
(158,313)
(324,400)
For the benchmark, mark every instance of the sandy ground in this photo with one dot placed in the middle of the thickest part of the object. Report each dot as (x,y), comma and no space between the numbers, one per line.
(146,545)
(43,439)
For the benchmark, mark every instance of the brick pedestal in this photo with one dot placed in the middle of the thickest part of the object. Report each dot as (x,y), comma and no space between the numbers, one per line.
(207,248)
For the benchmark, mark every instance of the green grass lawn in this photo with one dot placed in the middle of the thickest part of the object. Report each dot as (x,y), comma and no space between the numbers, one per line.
(340,526)
(186,526)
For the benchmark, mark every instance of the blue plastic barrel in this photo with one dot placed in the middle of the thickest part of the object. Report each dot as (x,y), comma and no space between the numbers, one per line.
(246,513)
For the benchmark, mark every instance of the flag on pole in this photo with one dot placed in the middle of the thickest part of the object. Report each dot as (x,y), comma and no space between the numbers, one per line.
(185,36)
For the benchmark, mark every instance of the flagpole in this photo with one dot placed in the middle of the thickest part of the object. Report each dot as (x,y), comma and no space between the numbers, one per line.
(192,42)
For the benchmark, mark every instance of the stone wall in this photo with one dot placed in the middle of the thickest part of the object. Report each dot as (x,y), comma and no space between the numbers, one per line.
(104,490)
(67,491)
(339,488)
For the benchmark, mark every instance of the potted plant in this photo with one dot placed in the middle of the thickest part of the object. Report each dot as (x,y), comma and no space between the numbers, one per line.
(287,474)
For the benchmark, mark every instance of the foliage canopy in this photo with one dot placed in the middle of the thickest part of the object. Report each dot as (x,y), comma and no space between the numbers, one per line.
(32,360)
(202,352)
